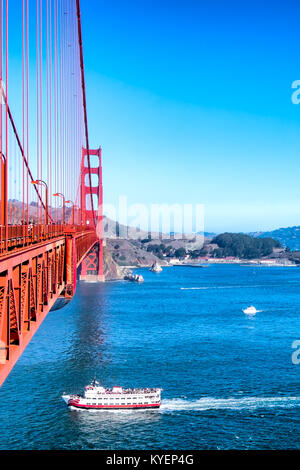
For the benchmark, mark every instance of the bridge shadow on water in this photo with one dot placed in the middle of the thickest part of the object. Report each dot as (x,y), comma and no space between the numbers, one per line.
(89,347)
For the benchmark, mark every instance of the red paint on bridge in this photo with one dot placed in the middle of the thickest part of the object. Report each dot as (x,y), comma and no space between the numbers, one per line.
(42,245)
(92,267)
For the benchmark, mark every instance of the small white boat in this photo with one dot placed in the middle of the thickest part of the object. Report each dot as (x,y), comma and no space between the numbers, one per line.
(250,310)
(116,398)
(134,278)
(156,268)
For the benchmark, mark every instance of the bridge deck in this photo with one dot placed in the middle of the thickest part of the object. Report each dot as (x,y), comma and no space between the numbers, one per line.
(18,237)
(32,278)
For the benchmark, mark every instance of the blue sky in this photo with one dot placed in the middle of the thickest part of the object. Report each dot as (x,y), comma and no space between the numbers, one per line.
(191,102)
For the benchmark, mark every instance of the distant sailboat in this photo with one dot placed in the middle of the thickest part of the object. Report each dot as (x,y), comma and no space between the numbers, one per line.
(156,268)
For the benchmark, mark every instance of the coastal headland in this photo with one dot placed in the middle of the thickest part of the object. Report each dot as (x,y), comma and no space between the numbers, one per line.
(141,250)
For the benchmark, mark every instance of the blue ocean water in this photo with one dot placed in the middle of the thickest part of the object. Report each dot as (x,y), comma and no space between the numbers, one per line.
(228,379)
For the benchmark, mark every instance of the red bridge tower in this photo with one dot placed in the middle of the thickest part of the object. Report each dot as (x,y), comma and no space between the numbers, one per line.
(92,266)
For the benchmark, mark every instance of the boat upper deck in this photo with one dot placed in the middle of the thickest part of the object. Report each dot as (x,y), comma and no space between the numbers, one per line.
(89,390)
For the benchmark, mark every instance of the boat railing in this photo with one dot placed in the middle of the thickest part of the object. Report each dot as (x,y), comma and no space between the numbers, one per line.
(133,391)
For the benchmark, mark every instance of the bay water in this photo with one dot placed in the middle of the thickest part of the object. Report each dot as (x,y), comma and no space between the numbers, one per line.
(228,379)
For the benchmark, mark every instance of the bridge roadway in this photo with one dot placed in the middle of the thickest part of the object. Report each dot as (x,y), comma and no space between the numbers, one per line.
(38,266)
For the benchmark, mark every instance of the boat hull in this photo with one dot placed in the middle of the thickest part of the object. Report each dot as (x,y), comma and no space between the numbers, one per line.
(112,407)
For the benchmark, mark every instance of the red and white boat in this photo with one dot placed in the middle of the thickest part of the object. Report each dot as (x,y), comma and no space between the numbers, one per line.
(116,398)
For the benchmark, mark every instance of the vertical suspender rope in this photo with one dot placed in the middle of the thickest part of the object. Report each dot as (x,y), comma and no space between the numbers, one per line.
(41,95)
(37,101)
(1,76)
(84,98)
(6,108)
(23,110)
(27,100)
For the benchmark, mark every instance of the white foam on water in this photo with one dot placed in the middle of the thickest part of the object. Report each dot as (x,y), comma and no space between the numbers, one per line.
(209,403)
(256,286)
(224,287)
(245,403)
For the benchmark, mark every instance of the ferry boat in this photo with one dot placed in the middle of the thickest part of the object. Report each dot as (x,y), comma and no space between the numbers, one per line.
(116,398)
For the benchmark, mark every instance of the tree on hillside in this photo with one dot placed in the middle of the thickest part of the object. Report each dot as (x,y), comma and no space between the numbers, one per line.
(180,253)
(243,246)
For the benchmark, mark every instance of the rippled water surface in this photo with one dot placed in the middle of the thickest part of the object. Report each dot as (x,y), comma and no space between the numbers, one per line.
(228,379)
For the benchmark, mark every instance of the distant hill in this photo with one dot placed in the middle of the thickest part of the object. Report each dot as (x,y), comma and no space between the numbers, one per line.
(288,237)
(244,246)
(113,229)
(15,212)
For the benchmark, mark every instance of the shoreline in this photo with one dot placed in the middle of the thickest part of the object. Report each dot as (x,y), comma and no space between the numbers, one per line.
(241,263)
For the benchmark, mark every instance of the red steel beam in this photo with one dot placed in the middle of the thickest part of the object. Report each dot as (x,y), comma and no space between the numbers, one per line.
(31,281)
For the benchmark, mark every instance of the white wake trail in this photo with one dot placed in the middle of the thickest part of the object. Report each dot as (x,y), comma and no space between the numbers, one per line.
(226,287)
(245,403)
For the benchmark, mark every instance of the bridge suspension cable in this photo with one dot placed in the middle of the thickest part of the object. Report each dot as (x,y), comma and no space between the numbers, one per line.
(42,132)
(45,165)
(84,99)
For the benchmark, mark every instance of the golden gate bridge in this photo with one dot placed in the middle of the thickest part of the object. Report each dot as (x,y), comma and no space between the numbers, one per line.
(51,219)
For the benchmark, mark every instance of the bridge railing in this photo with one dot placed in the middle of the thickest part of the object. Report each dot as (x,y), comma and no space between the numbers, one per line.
(15,237)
